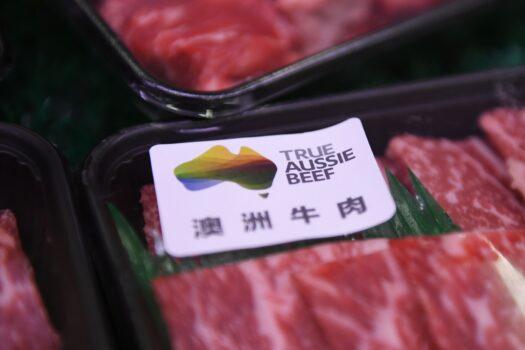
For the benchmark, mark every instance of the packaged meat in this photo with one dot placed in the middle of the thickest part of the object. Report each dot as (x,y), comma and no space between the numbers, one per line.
(23,317)
(294,30)
(211,45)
(384,311)
(449,292)
(372,294)
(444,116)
(505,128)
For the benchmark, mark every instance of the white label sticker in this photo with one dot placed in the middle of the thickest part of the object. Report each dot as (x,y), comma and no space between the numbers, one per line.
(223,195)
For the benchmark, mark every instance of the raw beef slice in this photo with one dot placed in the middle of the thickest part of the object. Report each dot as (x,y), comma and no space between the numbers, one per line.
(472,294)
(250,305)
(459,291)
(365,302)
(472,196)
(24,324)
(505,128)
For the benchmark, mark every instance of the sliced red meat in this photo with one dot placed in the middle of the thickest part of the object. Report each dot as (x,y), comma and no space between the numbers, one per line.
(250,305)
(459,291)
(150,212)
(205,45)
(479,150)
(505,128)
(24,324)
(472,196)
(472,295)
(211,45)
(365,302)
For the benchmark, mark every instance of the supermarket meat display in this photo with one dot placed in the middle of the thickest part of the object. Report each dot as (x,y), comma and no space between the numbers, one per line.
(210,45)
(24,323)
(463,290)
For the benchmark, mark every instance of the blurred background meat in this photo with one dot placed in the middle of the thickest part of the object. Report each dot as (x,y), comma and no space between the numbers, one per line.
(24,323)
(205,44)
(210,45)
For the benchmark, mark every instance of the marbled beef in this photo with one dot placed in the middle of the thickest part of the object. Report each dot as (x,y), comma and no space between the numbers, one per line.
(24,324)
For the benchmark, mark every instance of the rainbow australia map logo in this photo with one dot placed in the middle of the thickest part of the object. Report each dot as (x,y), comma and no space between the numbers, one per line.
(248,169)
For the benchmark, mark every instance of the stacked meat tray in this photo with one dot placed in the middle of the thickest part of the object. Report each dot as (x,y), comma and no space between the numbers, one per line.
(461,137)
(48,297)
(191,43)
(209,58)
(84,261)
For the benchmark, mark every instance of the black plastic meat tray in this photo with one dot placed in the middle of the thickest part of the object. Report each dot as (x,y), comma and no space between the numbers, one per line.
(163,100)
(117,169)
(35,187)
